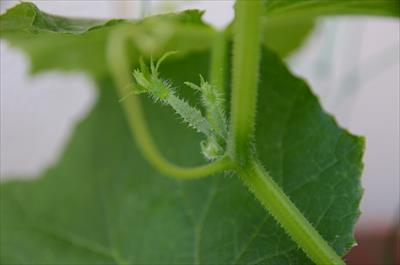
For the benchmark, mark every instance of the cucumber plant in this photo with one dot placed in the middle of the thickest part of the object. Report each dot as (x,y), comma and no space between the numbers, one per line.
(108,201)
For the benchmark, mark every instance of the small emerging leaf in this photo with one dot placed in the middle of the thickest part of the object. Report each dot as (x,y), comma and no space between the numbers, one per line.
(213,126)
(211,149)
(213,102)
(161,90)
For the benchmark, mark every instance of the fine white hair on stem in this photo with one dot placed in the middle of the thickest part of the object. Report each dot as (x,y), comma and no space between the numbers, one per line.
(213,125)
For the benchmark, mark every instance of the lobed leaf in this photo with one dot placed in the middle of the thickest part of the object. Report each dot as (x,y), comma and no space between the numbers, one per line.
(102,202)
(56,42)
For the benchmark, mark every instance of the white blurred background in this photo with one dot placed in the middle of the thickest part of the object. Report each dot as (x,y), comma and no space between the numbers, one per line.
(352,63)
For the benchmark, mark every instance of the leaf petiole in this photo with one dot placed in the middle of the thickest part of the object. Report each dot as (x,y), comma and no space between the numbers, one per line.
(246,54)
(246,57)
(278,204)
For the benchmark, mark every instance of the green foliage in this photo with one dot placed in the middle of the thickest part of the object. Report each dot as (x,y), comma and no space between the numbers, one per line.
(213,126)
(288,23)
(54,42)
(213,102)
(316,8)
(276,34)
(103,203)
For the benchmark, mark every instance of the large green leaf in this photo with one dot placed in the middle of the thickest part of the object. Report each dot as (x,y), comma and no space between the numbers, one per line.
(286,37)
(289,22)
(54,42)
(102,202)
(307,8)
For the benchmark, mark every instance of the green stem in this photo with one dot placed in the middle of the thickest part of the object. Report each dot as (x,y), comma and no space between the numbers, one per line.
(118,59)
(218,62)
(246,57)
(286,213)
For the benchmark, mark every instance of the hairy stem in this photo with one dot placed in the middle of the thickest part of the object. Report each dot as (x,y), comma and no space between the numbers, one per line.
(246,57)
(119,63)
(286,213)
